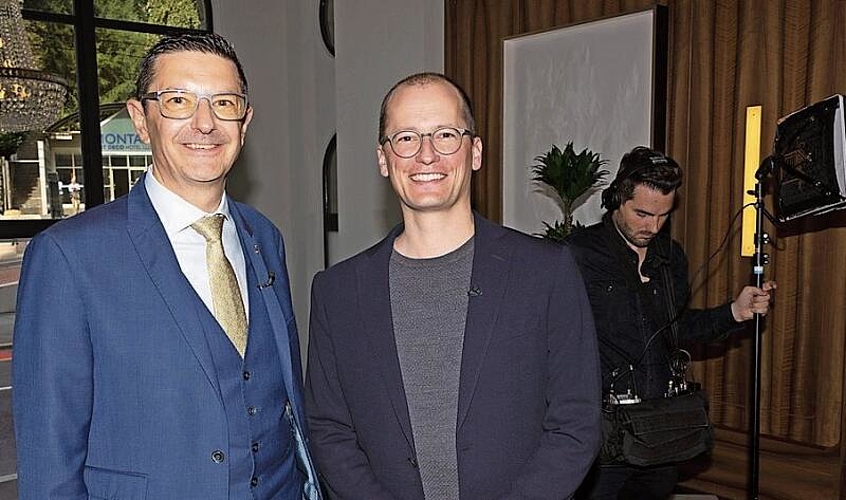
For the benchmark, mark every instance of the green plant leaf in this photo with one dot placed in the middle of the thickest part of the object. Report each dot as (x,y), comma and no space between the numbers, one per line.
(570,174)
(556,232)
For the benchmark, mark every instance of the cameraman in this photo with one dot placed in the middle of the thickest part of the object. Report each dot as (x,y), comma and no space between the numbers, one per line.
(621,259)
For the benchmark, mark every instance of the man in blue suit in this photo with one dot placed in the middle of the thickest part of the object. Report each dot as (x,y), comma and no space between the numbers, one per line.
(456,359)
(136,373)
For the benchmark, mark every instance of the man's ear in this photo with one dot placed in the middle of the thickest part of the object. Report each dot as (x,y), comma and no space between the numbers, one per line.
(477,153)
(383,161)
(247,119)
(139,119)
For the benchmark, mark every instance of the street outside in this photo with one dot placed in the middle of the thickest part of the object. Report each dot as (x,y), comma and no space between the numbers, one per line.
(8,490)
(7,439)
(9,274)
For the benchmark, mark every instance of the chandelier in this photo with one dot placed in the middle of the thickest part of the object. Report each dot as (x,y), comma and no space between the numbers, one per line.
(30,99)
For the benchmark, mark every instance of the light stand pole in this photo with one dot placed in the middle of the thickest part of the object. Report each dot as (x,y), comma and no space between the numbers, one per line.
(759,261)
(808,159)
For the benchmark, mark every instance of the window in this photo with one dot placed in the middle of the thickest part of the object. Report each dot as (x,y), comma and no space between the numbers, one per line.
(95,45)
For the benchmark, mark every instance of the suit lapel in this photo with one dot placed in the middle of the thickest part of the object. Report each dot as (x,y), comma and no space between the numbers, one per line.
(491,265)
(155,253)
(373,291)
(268,287)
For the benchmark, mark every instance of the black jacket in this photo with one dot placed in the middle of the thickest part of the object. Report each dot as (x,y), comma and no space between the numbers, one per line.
(528,417)
(628,313)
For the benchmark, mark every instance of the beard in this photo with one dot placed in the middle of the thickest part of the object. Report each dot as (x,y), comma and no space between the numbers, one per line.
(636,238)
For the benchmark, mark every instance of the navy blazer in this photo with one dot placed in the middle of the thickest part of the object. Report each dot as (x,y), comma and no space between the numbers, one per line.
(115,391)
(528,421)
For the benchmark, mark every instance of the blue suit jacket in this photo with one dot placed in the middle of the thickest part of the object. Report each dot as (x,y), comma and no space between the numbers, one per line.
(115,391)
(528,406)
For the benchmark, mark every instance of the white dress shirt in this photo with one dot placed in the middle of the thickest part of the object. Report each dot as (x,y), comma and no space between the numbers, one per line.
(177,215)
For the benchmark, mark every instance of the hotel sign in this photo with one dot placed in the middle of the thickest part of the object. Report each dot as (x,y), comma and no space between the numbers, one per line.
(117,134)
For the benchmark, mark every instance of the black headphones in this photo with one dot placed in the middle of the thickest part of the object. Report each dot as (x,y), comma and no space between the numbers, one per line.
(645,158)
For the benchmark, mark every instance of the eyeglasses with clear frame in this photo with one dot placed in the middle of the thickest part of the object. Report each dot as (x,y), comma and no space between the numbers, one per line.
(181,104)
(445,140)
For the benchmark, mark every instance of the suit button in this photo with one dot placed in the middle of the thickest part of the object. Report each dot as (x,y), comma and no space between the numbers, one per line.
(246,375)
(217,456)
(412,461)
(255,447)
(254,482)
(251,410)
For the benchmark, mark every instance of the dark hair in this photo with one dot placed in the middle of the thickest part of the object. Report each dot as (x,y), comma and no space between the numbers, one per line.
(208,43)
(645,166)
(423,79)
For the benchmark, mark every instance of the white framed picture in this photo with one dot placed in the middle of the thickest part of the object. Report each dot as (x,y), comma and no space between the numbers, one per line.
(599,84)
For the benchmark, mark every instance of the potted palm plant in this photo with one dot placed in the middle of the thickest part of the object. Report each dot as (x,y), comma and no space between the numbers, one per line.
(568,178)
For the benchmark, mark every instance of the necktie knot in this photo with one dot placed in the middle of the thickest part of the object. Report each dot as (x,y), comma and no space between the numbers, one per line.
(210,227)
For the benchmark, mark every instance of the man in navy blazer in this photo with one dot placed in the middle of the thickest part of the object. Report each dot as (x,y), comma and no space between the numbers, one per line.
(126,385)
(455,359)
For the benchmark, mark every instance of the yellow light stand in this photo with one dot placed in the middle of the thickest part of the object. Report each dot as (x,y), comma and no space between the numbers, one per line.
(752,159)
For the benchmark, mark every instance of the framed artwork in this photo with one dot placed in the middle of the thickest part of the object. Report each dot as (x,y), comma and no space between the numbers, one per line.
(599,84)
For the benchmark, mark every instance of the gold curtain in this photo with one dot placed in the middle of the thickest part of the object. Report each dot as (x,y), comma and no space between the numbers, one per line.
(724,55)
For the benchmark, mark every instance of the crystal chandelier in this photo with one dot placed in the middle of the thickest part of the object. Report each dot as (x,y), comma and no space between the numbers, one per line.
(30,99)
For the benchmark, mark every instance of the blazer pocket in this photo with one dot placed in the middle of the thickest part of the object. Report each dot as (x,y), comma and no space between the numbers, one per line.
(108,484)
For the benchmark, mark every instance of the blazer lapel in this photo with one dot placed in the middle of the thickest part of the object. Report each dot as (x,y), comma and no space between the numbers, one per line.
(373,291)
(267,286)
(156,255)
(491,265)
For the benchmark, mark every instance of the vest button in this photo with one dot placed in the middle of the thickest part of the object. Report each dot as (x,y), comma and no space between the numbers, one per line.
(251,410)
(254,481)
(246,375)
(217,456)
(255,447)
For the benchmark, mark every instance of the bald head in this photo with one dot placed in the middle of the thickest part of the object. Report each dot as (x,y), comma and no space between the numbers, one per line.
(422,80)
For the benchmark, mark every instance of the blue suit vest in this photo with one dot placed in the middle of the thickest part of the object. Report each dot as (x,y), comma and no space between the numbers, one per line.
(261,456)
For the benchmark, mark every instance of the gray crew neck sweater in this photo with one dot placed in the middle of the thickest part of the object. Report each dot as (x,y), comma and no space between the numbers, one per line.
(429,310)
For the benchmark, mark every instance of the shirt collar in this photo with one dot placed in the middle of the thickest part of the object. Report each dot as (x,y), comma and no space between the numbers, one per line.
(175,213)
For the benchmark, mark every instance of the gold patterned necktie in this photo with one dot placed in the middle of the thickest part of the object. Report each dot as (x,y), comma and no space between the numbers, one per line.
(226,295)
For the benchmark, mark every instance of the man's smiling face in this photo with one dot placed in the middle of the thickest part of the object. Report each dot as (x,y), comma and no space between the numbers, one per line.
(197,152)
